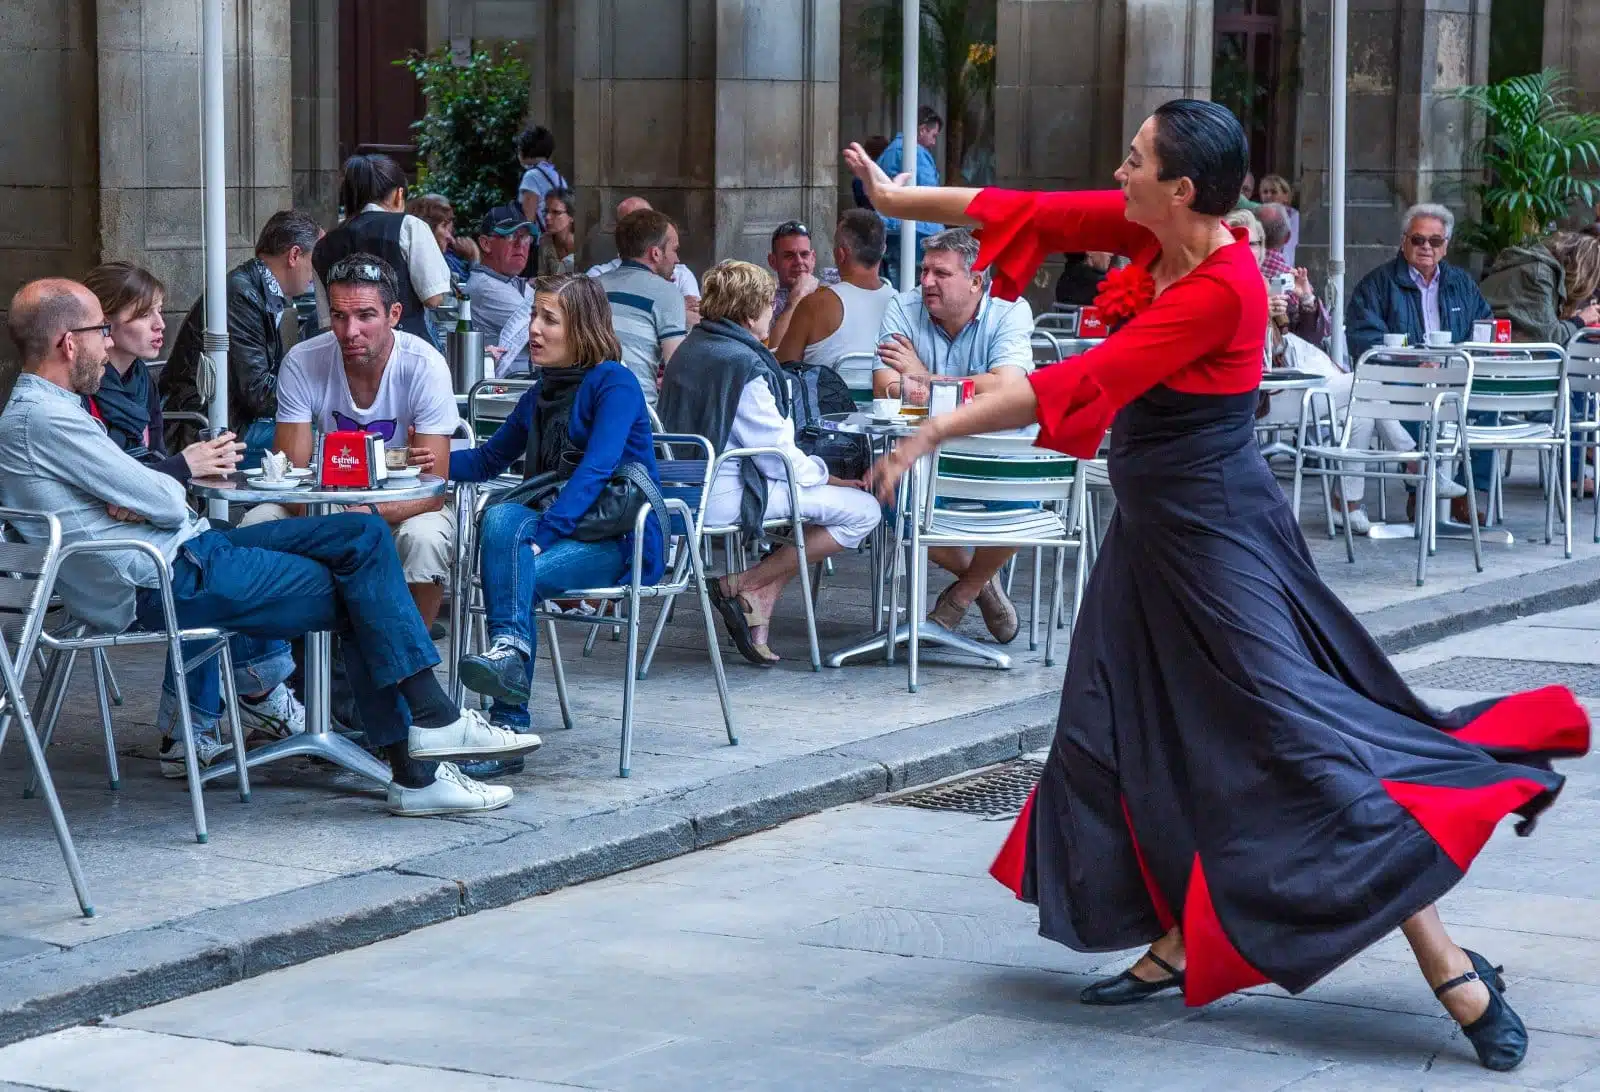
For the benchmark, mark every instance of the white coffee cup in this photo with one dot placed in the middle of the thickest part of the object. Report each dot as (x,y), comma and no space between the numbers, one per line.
(1439,338)
(885,407)
(1394,341)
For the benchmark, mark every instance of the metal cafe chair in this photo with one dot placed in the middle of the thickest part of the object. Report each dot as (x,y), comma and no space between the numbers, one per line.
(1427,386)
(685,485)
(994,467)
(24,594)
(1583,386)
(1528,380)
(63,646)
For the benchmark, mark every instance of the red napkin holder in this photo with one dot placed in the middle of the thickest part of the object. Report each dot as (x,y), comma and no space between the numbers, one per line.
(350,460)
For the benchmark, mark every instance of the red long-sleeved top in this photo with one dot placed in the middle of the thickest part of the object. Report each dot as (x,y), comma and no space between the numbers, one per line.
(1203,335)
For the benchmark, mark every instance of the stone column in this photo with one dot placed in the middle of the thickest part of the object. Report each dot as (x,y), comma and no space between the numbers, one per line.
(1059,92)
(148,59)
(48,164)
(723,113)
(1408,137)
(1166,55)
(314,48)
(1571,42)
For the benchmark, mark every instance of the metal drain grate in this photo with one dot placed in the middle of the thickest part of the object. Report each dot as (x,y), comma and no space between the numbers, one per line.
(1505,676)
(997,792)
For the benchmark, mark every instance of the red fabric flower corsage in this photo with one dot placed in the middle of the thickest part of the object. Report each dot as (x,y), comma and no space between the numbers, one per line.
(1124,293)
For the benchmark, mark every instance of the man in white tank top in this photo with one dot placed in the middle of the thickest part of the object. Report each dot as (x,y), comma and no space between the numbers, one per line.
(844,318)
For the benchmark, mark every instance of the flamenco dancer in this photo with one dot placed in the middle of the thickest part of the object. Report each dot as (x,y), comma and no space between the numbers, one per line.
(1239,778)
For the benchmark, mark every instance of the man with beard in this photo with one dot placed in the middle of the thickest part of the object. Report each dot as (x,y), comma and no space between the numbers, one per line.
(366,375)
(265,584)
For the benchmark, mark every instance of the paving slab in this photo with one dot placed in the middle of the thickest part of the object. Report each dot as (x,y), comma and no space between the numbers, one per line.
(312,864)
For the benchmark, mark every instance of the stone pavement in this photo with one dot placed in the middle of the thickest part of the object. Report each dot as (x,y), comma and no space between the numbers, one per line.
(313,865)
(866,948)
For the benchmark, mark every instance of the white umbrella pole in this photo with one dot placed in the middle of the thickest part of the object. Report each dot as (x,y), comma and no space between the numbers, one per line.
(910,81)
(214,206)
(1336,94)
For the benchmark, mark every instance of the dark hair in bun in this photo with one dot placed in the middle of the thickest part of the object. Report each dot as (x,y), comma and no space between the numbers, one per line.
(1203,142)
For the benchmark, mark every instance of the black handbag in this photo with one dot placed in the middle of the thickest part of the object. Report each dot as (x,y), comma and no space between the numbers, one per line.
(613,512)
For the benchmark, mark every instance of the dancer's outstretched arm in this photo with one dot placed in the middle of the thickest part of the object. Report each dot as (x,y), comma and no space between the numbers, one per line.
(1011,405)
(892,197)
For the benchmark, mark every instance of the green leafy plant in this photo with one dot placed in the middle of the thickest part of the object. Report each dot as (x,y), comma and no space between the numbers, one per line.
(466,142)
(956,53)
(1534,152)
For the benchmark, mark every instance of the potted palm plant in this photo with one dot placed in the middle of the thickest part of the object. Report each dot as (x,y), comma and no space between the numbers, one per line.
(1536,152)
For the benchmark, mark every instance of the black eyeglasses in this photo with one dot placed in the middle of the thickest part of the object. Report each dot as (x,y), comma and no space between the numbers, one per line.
(104,329)
(1432,241)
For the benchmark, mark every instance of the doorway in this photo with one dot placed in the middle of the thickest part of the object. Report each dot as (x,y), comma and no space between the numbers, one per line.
(378,99)
(1244,73)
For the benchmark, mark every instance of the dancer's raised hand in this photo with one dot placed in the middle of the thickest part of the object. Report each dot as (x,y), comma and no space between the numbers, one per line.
(873,180)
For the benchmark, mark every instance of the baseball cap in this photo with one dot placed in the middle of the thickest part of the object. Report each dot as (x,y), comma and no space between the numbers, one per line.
(504,220)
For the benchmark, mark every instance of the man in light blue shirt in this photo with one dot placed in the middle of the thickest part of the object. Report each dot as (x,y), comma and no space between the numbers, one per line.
(892,161)
(952,326)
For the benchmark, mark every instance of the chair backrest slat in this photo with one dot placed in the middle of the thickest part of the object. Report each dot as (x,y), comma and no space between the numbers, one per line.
(1520,378)
(1403,384)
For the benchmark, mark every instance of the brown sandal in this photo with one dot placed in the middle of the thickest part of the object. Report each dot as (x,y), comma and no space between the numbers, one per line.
(737,617)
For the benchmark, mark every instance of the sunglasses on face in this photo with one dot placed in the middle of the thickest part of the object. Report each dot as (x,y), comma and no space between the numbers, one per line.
(1433,242)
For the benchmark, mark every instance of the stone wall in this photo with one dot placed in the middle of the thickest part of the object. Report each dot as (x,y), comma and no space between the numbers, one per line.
(724,115)
(49,163)
(314,50)
(1572,43)
(1408,138)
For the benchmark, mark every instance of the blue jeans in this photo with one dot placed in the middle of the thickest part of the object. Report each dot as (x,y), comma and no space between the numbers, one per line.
(286,578)
(258,666)
(515,579)
(257,439)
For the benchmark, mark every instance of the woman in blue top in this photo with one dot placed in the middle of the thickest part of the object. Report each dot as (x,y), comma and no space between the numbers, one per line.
(586,401)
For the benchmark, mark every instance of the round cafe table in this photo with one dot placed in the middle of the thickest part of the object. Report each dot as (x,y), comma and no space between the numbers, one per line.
(317,740)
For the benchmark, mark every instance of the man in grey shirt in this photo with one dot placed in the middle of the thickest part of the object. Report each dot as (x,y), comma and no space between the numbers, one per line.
(265,583)
(647,310)
(499,293)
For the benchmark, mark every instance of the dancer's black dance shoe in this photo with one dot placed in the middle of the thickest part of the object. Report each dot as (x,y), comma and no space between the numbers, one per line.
(1498,1035)
(1128,987)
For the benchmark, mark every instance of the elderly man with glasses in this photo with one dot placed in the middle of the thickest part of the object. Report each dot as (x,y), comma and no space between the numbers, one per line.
(1415,294)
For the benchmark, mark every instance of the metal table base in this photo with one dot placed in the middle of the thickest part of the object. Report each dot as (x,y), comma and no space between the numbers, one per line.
(317,741)
(927,632)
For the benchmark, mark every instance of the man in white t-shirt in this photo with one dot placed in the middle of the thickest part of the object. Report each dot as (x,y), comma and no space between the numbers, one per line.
(366,375)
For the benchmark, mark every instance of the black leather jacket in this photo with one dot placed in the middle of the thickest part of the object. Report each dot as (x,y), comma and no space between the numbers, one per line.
(255,349)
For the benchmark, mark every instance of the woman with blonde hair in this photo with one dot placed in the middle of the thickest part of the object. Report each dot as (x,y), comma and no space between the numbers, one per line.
(724,384)
(584,418)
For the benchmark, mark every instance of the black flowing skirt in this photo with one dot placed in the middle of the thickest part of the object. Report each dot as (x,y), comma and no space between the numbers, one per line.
(1234,753)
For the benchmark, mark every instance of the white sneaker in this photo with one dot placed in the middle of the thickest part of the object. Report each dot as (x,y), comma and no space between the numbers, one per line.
(1360,524)
(207,749)
(1449,488)
(279,715)
(470,736)
(452,793)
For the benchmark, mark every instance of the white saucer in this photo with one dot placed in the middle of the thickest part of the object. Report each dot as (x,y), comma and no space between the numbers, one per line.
(294,473)
(406,472)
(288,483)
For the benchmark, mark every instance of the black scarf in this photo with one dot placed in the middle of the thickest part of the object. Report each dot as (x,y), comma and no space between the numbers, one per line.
(552,414)
(124,405)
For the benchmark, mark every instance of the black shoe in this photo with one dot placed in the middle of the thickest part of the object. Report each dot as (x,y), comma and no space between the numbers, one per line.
(1128,987)
(501,672)
(489,768)
(1489,972)
(1498,1035)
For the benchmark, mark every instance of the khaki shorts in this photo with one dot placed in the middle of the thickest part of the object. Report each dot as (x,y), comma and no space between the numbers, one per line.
(425,542)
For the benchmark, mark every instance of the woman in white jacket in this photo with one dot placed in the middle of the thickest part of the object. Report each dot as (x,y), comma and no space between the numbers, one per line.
(723,383)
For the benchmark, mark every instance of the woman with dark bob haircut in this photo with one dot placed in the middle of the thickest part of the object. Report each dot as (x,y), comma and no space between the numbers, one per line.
(1240,779)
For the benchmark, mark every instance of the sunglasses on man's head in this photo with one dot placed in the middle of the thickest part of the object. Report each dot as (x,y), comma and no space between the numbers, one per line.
(790,227)
(1432,241)
(356,271)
